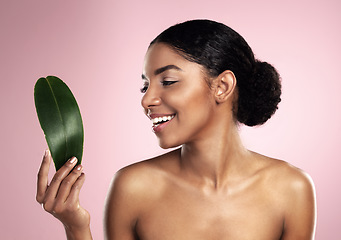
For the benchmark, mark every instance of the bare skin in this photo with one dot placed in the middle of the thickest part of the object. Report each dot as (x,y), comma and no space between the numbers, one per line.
(157,199)
(209,188)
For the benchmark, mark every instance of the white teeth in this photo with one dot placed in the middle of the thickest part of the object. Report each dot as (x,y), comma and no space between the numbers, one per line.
(162,119)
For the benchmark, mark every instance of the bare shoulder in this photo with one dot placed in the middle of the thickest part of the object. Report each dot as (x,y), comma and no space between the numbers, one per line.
(294,192)
(133,189)
(287,177)
(144,177)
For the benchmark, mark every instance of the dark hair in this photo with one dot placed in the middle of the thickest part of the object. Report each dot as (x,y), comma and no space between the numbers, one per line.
(218,48)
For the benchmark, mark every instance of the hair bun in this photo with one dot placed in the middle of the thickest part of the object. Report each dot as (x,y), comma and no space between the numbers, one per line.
(259,97)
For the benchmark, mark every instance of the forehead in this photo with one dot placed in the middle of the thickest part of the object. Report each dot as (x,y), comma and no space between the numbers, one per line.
(160,55)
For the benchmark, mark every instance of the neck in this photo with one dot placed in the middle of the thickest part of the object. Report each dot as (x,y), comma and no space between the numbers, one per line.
(216,159)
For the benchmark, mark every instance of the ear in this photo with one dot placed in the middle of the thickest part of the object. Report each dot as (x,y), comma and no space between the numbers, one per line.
(225,84)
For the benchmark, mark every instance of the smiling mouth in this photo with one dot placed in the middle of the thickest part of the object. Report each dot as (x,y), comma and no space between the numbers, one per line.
(160,120)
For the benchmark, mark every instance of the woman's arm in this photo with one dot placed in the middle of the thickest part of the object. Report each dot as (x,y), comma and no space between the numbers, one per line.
(300,209)
(61,197)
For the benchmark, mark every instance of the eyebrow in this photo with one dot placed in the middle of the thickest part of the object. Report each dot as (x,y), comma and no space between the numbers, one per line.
(163,69)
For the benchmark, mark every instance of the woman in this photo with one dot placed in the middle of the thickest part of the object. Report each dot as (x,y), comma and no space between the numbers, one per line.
(200,81)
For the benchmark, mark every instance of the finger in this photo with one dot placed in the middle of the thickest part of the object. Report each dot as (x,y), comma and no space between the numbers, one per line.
(52,190)
(73,197)
(42,178)
(67,183)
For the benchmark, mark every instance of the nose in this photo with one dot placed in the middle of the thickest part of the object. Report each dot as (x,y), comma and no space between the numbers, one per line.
(151,98)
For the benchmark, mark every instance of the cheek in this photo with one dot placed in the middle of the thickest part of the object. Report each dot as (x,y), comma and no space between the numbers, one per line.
(193,117)
(198,98)
(195,107)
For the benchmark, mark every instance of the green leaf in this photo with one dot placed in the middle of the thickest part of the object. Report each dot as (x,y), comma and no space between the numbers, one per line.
(60,119)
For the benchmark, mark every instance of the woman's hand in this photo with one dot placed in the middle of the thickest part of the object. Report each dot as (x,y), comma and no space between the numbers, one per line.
(61,197)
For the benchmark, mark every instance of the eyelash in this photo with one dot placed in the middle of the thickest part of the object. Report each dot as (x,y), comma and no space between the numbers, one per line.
(164,83)
(167,83)
(144,89)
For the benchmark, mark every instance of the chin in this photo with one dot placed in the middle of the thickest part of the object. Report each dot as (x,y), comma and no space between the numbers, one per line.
(167,145)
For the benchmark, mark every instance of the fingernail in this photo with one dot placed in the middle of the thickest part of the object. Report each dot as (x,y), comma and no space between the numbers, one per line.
(79,168)
(47,152)
(73,160)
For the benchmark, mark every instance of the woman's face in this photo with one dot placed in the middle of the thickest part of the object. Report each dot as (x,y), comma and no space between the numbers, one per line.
(176,98)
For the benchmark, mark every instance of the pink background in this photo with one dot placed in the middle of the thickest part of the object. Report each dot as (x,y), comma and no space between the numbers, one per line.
(97,47)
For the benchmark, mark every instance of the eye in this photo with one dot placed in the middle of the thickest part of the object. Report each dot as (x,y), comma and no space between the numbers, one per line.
(144,89)
(168,83)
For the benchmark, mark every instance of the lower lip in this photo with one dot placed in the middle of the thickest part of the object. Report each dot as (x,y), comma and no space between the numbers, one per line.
(160,127)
